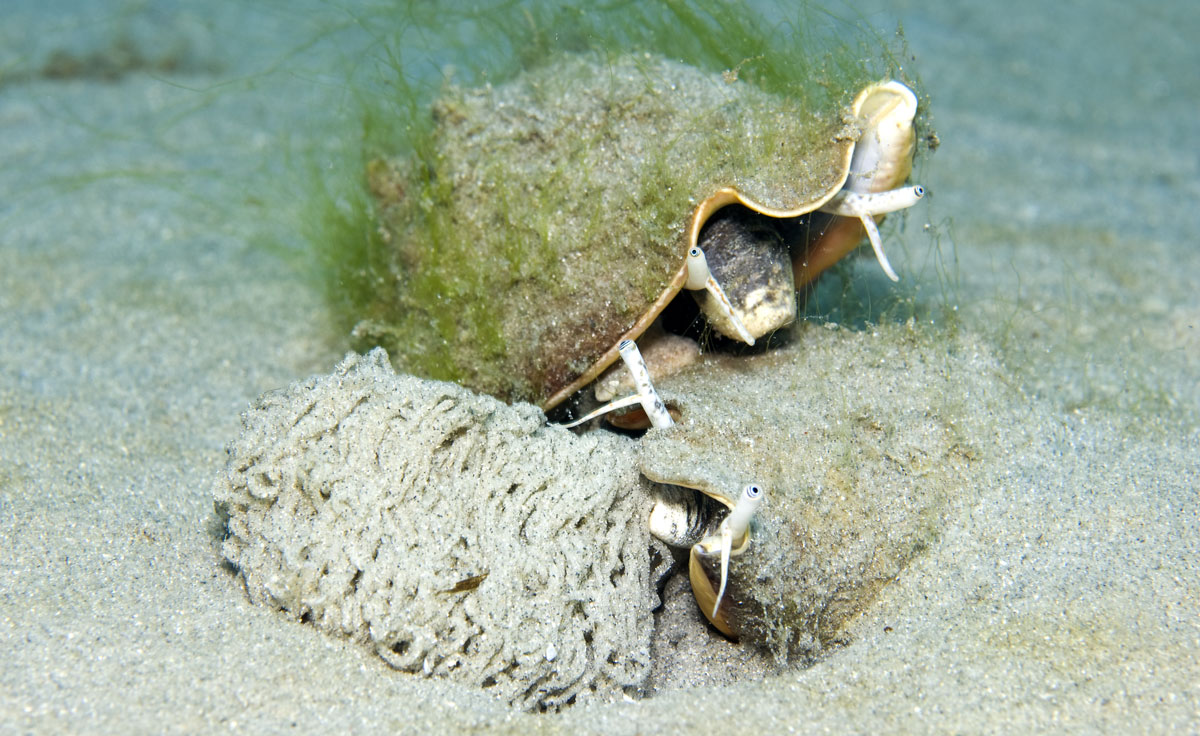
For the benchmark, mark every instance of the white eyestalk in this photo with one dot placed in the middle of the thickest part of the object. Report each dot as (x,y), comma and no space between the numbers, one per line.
(855,204)
(734,527)
(700,277)
(865,205)
(655,410)
(651,403)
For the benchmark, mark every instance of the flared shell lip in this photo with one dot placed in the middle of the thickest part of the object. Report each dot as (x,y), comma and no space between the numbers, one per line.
(706,595)
(722,197)
(702,584)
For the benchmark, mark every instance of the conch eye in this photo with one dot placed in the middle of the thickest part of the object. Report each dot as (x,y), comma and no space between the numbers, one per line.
(738,520)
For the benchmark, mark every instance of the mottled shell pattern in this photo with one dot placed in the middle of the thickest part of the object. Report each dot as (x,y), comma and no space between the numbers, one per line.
(554,215)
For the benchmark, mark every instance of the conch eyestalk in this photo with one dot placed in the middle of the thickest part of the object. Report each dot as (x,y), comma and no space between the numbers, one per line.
(738,521)
(700,277)
(646,395)
(734,527)
(866,205)
(731,538)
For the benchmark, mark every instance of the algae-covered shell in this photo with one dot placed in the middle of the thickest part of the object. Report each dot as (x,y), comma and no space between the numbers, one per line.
(858,468)
(551,216)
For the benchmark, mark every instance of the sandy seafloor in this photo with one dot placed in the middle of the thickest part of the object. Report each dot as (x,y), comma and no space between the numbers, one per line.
(146,299)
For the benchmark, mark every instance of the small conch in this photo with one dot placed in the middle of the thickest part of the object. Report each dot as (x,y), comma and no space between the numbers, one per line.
(847,510)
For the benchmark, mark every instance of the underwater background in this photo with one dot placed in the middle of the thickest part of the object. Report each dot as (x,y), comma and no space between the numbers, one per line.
(169,172)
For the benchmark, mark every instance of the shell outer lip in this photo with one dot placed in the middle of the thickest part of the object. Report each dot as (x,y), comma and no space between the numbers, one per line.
(722,197)
(704,591)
